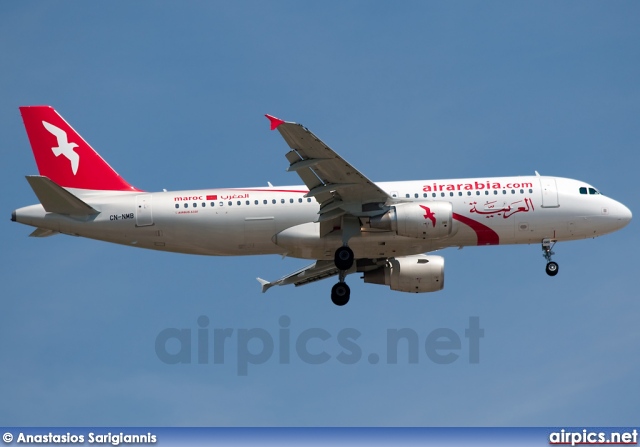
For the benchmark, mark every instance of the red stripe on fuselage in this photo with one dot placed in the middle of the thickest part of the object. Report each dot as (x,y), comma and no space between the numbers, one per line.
(270,190)
(486,236)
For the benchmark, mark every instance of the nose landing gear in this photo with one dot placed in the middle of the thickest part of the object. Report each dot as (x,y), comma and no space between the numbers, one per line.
(552,267)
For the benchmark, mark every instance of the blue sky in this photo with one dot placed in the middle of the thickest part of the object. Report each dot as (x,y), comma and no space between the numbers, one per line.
(172,94)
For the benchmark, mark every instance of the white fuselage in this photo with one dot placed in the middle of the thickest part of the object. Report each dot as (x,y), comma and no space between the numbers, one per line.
(280,220)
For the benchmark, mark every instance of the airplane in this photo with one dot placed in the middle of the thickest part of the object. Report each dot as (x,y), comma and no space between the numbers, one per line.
(339,218)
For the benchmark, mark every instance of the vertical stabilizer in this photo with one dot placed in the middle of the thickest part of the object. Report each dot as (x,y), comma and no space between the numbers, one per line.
(64,156)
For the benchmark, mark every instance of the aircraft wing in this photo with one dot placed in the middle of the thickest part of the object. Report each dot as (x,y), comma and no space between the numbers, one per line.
(332,181)
(314,272)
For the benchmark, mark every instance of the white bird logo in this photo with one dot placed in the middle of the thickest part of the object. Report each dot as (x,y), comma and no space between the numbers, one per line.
(64,147)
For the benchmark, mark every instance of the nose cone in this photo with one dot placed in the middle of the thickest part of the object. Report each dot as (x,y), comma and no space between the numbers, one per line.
(620,214)
(624,215)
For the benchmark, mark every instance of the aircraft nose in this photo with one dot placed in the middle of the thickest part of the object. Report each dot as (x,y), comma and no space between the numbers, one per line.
(621,214)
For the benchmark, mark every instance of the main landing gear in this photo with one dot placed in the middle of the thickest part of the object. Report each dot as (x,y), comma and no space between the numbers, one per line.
(343,259)
(552,267)
(340,293)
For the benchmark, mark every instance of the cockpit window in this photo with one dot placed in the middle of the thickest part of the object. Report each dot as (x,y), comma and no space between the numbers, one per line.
(590,191)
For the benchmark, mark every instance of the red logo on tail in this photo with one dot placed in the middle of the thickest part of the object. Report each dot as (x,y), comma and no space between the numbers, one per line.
(429,215)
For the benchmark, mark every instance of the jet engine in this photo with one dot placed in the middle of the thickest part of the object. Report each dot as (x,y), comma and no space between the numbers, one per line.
(422,220)
(415,274)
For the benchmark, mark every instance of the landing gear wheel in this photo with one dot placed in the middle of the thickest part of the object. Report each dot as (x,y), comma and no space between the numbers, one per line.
(547,246)
(340,294)
(552,268)
(343,258)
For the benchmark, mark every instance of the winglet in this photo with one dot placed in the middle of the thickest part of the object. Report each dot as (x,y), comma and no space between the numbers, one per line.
(264,283)
(275,122)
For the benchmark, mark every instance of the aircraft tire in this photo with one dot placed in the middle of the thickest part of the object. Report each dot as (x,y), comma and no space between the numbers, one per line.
(552,268)
(344,258)
(340,294)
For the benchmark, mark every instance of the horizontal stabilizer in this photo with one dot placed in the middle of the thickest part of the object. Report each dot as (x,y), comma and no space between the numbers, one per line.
(43,232)
(56,199)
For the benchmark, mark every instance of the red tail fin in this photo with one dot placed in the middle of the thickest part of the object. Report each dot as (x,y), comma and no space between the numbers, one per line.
(62,155)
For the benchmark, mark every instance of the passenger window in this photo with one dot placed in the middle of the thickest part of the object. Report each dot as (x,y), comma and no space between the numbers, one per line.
(522,191)
(530,191)
(186,205)
(264,202)
(495,192)
(441,194)
(433,194)
(460,193)
(255,202)
(230,203)
(504,191)
(468,193)
(486,193)
(177,205)
(513,191)
(195,205)
(213,203)
(408,195)
(239,202)
(450,194)
(477,193)
(281,200)
(425,195)
(417,195)
(309,199)
(300,200)
(204,204)
(273,201)
(290,200)
(221,204)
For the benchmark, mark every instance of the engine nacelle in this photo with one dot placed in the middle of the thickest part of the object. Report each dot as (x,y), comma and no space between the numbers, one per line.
(422,220)
(415,274)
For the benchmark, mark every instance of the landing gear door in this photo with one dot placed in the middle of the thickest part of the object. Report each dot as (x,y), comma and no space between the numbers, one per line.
(549,192)
(144,215)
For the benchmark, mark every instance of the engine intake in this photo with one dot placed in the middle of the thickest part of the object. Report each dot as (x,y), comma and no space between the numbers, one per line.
(415,274)
(422,220)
